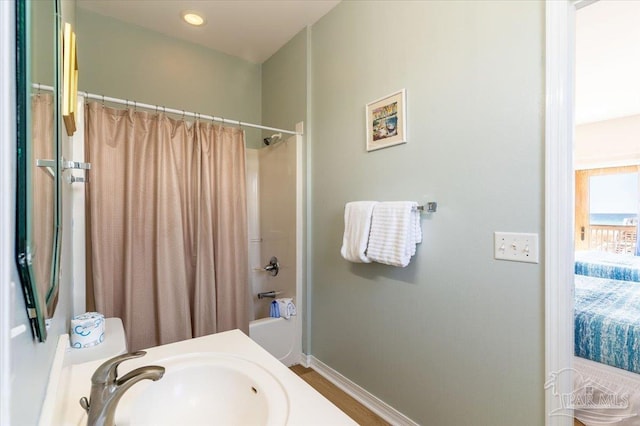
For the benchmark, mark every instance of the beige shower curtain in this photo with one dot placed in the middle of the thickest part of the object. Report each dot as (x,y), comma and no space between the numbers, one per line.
(43,193)
(167,225)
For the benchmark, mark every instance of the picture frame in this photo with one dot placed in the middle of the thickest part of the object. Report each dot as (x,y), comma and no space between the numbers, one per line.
(386,121)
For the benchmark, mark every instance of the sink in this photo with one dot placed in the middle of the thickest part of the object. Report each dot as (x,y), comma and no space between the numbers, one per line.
(223,379)
(199,389)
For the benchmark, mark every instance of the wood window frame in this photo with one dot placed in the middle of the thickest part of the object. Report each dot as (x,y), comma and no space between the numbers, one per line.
(582,220)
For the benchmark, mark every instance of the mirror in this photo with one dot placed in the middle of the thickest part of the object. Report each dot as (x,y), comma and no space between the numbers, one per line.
(38,166)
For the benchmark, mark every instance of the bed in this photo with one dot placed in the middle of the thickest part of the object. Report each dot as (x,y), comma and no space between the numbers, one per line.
(607,321)
(607,338)
(618,389)
(608,265)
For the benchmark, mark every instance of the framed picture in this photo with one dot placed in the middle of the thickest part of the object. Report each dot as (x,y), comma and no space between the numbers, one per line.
(386,121)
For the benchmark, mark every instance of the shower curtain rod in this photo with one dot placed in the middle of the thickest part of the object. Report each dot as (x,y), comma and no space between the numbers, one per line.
(183,113)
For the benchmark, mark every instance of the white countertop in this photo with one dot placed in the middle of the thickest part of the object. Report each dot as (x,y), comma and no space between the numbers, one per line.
(306,405)
(114,344)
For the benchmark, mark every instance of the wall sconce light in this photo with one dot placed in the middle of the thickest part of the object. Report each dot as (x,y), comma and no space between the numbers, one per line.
(69,79)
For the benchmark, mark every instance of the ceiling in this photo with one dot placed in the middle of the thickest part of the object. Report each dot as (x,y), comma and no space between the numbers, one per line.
(607,39)
(607,60)
(249,29)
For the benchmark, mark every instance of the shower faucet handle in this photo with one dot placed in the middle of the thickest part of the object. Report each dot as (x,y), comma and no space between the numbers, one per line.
(273,267)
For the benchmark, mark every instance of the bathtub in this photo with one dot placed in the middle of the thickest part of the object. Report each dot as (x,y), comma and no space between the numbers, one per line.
(278,336)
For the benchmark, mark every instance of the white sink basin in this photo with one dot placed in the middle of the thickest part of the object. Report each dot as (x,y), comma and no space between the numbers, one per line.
(199,389)
(222,379)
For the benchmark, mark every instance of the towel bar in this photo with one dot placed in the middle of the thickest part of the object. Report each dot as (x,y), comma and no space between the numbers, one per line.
(430,207)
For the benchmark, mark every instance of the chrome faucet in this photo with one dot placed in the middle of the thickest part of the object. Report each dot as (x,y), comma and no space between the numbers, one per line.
(107,388)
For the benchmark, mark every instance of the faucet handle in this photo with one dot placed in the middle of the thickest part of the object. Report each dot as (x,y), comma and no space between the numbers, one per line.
(108,371)
(84,403)
(152,372)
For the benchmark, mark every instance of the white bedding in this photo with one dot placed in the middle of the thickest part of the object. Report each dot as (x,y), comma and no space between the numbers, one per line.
(605,395)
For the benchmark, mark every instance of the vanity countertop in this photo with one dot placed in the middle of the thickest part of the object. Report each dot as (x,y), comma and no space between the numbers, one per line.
(306,405)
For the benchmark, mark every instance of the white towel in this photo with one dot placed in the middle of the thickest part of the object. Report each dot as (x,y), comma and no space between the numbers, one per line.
(357,224)
(395,231)
(287,308)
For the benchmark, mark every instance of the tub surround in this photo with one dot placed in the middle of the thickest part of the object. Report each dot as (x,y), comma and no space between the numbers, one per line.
(278,337)
(306,406)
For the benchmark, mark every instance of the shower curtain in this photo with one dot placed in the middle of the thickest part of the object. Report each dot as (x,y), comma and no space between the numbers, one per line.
(43,193)
(167,225)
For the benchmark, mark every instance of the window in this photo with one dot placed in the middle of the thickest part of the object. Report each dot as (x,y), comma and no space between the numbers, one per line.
(607,209)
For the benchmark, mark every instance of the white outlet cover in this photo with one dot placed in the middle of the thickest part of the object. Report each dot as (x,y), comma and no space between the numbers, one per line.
(516,247)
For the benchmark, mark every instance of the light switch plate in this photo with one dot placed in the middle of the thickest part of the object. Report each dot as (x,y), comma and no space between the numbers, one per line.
(516,247)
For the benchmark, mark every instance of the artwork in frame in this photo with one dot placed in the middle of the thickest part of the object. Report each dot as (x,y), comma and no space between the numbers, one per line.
(386,121)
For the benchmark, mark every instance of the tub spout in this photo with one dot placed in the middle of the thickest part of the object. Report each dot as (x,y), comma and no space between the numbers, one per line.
(272,294)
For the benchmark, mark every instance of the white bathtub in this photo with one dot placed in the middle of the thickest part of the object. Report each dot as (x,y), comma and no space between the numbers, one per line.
(278,336)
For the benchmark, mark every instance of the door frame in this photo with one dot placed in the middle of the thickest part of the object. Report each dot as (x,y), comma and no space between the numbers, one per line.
(7,186)
(300,241)
(559,204)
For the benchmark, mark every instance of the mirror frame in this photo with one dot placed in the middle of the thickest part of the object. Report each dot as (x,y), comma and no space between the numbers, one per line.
(38,306)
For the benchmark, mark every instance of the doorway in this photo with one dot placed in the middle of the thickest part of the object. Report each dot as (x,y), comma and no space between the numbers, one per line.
(559,204)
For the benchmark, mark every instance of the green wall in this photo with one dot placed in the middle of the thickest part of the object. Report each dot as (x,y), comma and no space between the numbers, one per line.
(456,337)
(42,32)
(129,62)
(284,85)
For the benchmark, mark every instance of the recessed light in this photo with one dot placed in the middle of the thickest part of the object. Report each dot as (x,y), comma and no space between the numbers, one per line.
(192,17)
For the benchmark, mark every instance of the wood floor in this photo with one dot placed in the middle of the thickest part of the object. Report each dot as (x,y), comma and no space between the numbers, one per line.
(358,412)
(352,408)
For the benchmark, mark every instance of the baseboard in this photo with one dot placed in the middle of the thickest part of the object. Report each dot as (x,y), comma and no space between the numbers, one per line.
(373,403)
(305,360)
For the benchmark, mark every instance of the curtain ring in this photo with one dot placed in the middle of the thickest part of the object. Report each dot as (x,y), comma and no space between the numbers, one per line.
(135,106)
(102,101)
(182,115)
